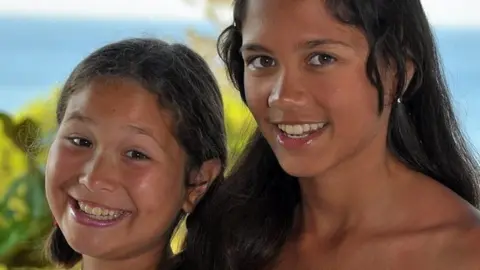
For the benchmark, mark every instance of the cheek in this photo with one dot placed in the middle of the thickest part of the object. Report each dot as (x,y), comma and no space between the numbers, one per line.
(157,193)
(62,165)
(59,171)
(257,91)
(352,105)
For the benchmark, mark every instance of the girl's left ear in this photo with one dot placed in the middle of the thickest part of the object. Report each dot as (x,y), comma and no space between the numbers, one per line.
(199,181)
(392,82)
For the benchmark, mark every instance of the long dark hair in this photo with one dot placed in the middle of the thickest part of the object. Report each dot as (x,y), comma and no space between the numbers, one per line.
(246,221)
(183,83)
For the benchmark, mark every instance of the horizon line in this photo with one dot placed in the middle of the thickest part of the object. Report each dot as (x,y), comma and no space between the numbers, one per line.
(153,18)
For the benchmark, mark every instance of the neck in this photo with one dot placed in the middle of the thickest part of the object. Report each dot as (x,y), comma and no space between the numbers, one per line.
(361,193)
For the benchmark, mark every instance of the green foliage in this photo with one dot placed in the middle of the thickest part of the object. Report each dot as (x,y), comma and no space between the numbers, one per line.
(24,212)
(239,123)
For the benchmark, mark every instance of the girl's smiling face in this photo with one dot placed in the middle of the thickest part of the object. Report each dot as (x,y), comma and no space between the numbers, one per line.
(116,175)
(306,85)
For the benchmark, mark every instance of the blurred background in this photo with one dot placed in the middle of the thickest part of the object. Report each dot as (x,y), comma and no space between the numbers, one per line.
(42,40)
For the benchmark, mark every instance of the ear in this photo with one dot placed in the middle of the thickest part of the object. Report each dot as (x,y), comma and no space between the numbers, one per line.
(391,82)
(199,181)
(410,71)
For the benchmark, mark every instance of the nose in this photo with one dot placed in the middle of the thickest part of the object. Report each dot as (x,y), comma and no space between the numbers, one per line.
(288,91)
(99,174)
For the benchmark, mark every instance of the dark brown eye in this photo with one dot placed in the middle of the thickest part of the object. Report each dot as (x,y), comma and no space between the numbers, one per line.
(80,142)
(136,155)
(260,62)
(321,59)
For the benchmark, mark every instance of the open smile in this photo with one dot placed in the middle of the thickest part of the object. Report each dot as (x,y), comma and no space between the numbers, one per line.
(94,215)
(294,136)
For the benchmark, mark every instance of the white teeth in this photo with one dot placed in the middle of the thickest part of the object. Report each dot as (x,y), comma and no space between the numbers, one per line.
(300,130)
(99,212)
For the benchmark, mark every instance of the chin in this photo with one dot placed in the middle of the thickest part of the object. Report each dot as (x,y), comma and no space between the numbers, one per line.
(90,246)
(298,169)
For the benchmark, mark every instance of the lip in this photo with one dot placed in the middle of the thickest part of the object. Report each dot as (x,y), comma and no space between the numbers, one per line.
(86,220)
(297,143)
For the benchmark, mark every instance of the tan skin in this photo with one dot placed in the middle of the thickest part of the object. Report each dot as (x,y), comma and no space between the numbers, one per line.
(115,147)
(361,208)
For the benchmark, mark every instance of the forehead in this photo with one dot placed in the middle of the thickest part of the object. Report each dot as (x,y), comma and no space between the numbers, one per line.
(286,21)
(124,101)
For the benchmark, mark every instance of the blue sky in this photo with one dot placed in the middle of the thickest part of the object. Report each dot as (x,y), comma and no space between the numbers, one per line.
(150,9)
(440,12)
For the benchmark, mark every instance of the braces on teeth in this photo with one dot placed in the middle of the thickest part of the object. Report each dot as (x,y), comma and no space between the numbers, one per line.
(98,212)
(300,130)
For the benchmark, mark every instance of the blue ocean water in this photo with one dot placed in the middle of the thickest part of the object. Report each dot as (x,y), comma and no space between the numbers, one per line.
(38,53)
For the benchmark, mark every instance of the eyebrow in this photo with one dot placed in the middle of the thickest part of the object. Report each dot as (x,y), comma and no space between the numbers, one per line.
(309,44)
(140,130)
(320,42)
(147,132)
(78,116)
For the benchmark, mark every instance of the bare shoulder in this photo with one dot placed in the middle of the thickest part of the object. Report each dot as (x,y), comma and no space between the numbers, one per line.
(451,237)
(461,247)
(470,244)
